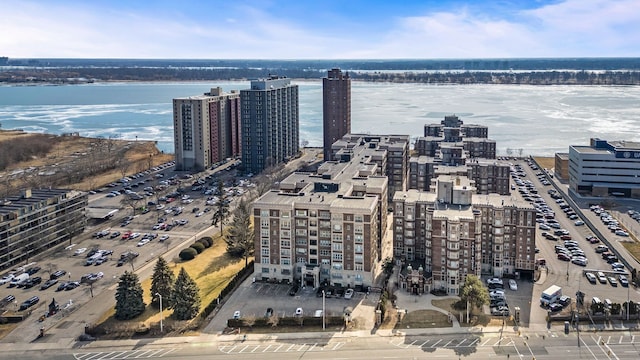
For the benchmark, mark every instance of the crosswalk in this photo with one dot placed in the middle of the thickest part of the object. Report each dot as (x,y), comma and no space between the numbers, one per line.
(242,348)
(127,354)
(450,343)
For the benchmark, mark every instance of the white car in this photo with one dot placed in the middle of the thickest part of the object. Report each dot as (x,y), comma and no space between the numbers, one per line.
(134,235)
(513,285)
(348,294)
(143,242)
(6,279)
(79,251)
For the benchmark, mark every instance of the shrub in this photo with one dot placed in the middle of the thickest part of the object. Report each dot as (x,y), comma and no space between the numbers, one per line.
(198,247)
(188,254)
(204,243)
(208,239)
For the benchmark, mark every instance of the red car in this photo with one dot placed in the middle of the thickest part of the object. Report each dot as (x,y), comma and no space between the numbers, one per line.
(126,235)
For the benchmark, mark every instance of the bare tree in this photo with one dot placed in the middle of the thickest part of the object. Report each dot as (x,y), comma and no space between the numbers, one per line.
(273,320)
(250,320)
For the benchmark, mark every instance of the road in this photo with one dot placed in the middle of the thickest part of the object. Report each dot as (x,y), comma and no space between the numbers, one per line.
(545,345)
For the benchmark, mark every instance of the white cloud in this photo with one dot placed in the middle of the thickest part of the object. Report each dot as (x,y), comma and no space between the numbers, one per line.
(568,28)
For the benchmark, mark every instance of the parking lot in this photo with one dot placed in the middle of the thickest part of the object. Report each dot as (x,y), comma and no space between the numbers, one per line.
(581,256)
(107,236)
(254,298)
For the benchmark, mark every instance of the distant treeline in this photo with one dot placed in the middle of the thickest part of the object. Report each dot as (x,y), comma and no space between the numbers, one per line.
(397,65)
(76,75)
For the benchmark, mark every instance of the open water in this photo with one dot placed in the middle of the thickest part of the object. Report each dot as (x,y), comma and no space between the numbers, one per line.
(540,120)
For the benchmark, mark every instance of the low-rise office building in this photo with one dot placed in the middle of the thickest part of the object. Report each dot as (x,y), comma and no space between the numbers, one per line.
(605,168)
(37,220)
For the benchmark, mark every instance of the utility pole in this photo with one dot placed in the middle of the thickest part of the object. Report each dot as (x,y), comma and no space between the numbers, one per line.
(160,297)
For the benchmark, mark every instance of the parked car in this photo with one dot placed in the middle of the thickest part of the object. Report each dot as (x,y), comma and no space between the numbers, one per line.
(31,282)
(513,285)
(29,303)
(623,280)
(294,290)
(49,283)
(564,300)
(592,278)
(348,294)
(613,281)
(555,307)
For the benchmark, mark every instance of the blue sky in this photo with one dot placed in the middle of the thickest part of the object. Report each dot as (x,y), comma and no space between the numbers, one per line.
(322,29)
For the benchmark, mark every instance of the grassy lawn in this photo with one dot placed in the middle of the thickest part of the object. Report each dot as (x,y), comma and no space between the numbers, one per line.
(633,248)
(546,162)
(212,270)
(423,319)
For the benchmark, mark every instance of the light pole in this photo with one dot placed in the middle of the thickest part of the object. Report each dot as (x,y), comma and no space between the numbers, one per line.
(323,324)
(160,297)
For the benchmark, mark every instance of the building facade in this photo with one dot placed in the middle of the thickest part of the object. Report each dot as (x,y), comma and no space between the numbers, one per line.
(37,220)
(452,232)
(605,168)
(323,227)
(336,108)
(270,123)
(207,129)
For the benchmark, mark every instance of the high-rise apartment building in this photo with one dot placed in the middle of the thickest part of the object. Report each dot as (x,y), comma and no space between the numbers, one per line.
(206,129)
(270,123)
(336,108)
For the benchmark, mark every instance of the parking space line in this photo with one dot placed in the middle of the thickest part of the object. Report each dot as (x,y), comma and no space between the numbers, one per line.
(436,343)
(485,343)
(265,349)
(292,345)
(424,343)
(302,347)
(474,342)
(243,349)
(278,348)
(337,345)
(461,342)
(312,347)
(143,353)
(633,338)
(169,351)
(155,352)
(608,339)
(94,355)
(447,344)
(414,341)
(621,336)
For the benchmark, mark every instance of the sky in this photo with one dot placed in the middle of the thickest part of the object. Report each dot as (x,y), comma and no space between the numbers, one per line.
(319,29)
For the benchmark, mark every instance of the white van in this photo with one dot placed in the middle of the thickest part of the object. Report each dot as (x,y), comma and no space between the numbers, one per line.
(595,300)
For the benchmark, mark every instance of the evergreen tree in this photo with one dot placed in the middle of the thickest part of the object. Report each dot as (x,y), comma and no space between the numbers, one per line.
(162,282)
(129,303)
(221,206)
(185,297)
(240,238)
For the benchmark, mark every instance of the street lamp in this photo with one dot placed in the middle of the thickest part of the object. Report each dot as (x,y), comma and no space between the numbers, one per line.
(323,323)
(160,297)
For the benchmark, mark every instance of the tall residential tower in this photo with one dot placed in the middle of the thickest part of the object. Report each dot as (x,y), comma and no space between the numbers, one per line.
(336,108)
(270,123)
(206,129)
